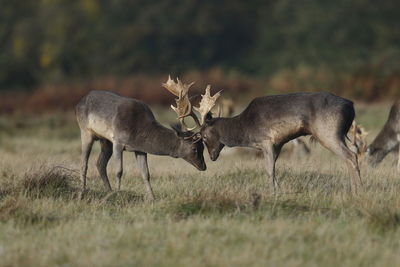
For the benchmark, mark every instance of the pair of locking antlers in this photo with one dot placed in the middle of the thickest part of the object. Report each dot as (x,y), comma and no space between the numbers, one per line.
(184,107)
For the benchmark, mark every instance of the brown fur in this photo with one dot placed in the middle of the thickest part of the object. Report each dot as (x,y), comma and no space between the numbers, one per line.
(270,122)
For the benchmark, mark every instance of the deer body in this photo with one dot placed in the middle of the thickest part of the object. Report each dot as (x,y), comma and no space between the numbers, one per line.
(121,123)
(388,138)
(271,121)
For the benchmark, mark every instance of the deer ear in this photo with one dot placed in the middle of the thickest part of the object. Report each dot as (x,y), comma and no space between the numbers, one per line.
(208,117)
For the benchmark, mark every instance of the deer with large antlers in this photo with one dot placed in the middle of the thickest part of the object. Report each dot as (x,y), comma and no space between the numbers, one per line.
(271,121)
(125,124)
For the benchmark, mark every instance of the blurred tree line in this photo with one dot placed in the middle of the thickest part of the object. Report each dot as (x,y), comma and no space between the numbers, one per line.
(44,41)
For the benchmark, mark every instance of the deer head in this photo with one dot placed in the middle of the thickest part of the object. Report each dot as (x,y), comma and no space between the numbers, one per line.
(191,148)
(208,132)
(183,106)
(184,109)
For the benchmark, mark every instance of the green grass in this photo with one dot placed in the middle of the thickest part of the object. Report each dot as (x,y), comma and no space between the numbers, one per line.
(226,216)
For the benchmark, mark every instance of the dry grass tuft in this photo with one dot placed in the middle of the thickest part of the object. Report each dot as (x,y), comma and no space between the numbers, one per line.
(46,181)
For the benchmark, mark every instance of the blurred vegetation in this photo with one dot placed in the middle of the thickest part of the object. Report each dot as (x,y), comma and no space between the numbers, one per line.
(298,45)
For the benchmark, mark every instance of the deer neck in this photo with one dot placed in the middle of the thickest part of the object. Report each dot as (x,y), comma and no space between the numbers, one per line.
(231,132)
(162,141)
(386,139)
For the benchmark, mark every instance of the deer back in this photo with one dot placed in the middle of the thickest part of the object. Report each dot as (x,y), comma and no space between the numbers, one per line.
(114,117)
(284,117)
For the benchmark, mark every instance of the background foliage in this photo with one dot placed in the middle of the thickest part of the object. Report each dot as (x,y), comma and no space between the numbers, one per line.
(296,45)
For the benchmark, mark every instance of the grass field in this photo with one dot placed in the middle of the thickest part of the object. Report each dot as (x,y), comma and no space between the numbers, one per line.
(225,216)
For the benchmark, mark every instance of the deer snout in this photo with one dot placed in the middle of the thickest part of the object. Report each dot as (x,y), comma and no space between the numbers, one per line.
(203,167)
(214,155)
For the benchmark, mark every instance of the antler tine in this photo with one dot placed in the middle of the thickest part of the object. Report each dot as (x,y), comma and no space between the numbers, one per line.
(183,106)
(207,103)
(171,86)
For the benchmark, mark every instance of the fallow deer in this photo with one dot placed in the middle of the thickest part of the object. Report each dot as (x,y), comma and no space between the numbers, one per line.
(126,124)
(225,107)
(271,121)
(388,138)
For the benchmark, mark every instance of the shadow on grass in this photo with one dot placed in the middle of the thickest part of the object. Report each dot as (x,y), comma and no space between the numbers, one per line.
(383,221)
(21,212)
(206,207)
(231,206)
(314,181)
(114,198)
(380,217)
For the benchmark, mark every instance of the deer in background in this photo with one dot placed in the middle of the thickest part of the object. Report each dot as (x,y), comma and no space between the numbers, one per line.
(388,138)
(300,148)
(271,121)
(125,124)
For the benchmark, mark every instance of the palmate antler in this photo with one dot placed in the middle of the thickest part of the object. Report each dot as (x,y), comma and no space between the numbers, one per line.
(207,103)
(184,107)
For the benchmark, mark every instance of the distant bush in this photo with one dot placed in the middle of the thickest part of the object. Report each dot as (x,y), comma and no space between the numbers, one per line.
(45,42)
(367,86)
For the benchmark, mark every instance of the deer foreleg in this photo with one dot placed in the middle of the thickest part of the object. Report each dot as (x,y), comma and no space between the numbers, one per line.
(141,159)
(117,150)
(87,143)
(271,153)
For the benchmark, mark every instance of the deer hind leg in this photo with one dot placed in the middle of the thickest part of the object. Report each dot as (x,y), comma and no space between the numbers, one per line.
(141,159)
(118,150)
(338,146)
(271,153)
(87,140)
(102,161)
